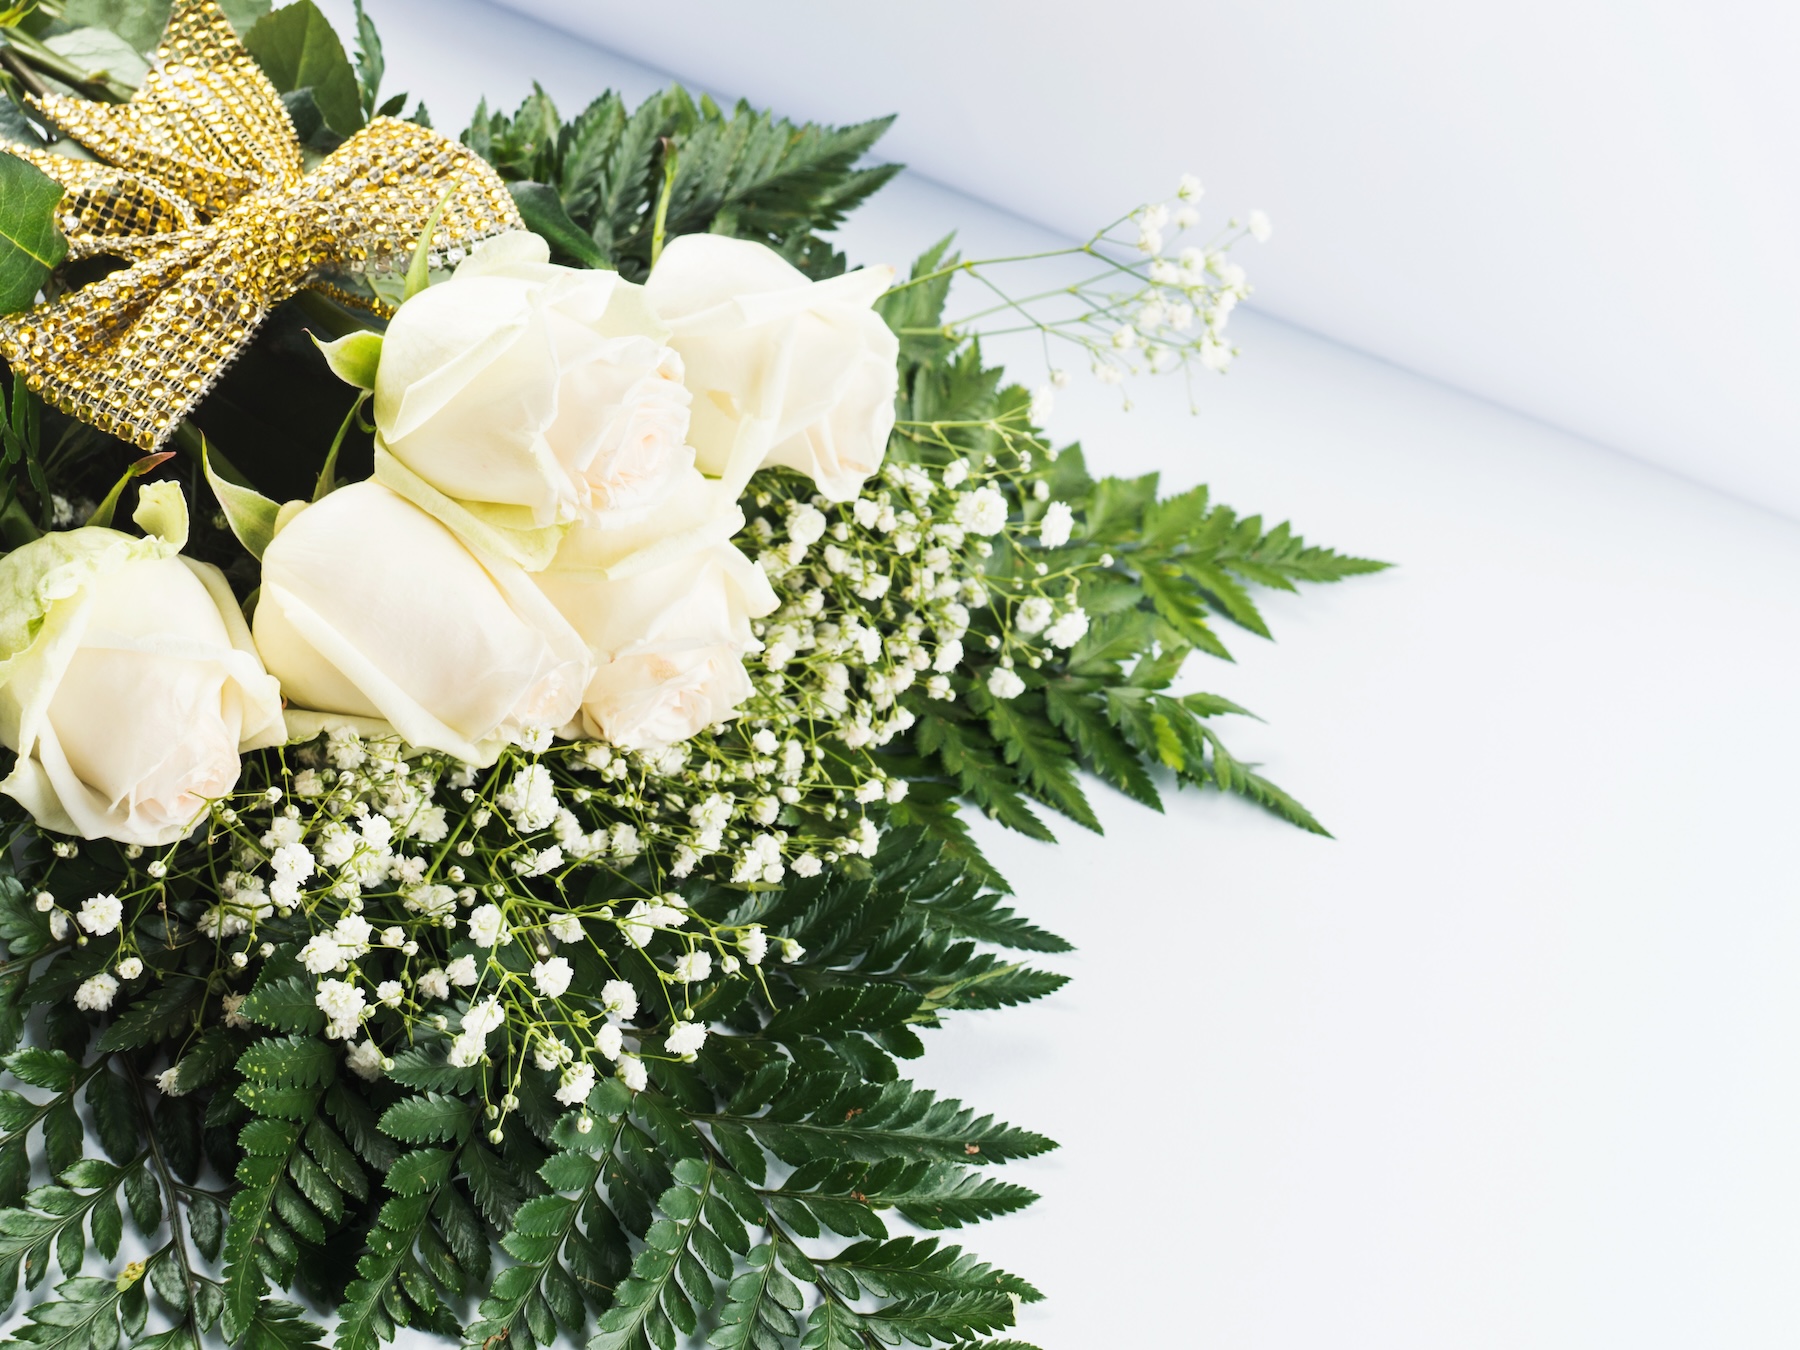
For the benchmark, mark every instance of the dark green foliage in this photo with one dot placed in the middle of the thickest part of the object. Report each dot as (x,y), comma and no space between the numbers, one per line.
(298,1178)
(86,1314)
(761,1304)
(427,1247)
(570,1249)
(743,173)
(909,927)
(822,1117)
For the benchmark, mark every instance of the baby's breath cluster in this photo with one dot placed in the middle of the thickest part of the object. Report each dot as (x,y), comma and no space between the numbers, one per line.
(880,596)
(1159,303)
(418,897)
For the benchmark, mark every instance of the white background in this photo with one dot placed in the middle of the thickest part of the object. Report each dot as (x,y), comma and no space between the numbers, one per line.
(1583,209)
(1512,1061)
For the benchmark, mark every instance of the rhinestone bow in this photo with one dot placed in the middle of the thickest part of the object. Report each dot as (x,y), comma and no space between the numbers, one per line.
(200,185)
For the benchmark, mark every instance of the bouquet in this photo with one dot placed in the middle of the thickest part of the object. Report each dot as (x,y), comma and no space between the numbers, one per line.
(499,638)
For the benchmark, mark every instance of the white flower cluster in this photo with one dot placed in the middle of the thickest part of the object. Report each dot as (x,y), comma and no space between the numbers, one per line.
(845,657)
(403,869)
(1159,304)
(1181,314)
(883,604)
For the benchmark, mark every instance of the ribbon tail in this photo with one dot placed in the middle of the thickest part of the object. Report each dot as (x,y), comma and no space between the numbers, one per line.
(110,210)
(134,352)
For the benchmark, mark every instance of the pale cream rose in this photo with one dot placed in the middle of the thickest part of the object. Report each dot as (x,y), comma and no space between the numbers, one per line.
(528,395)
(372,609)
(129,684)
(665,605)
(783,370)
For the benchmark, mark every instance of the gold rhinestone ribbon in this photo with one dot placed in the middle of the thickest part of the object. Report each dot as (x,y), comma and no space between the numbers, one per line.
(200,185)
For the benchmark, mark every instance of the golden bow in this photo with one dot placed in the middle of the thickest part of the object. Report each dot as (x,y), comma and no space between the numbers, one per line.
(202,187)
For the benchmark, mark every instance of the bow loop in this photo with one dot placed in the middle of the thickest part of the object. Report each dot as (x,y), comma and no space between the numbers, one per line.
(201,187)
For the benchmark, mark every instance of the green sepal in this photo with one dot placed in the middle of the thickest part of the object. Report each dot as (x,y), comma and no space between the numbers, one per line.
(353,358)
(251,515)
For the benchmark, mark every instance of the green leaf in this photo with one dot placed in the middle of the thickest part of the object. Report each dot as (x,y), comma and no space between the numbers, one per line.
(970,912)
(424,1169)
(1079,713)
(286,1062)
(207,1058)
(279,1325)
(243,14)
(541,208)
(427,1119)
(257,1240)
(942,1195)
(653,1293)
(30,243)
(167,1009)
(298,49)
(141,22)
(910,1267)
(42,1068)
(971,756)
(917,305)
(84,1316)
(1043,759)
(101,54)
(289,1004)
(895,1120)
(398,1282)
(138,22)
(370,64)
(1264,793)
(116,1121)
(743,173)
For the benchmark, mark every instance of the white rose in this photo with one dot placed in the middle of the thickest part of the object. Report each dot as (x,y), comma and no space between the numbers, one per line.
(372,609)
(528,394)
(783,370)
(665,606)
(128,681)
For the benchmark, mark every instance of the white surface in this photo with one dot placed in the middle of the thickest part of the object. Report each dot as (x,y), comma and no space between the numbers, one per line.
(1578,208)
(1512,1062)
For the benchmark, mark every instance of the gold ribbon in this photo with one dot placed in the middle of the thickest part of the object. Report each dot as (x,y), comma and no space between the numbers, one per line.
(200,184)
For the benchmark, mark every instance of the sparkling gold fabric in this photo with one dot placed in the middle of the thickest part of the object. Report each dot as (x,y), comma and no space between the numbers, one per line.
(201,186)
